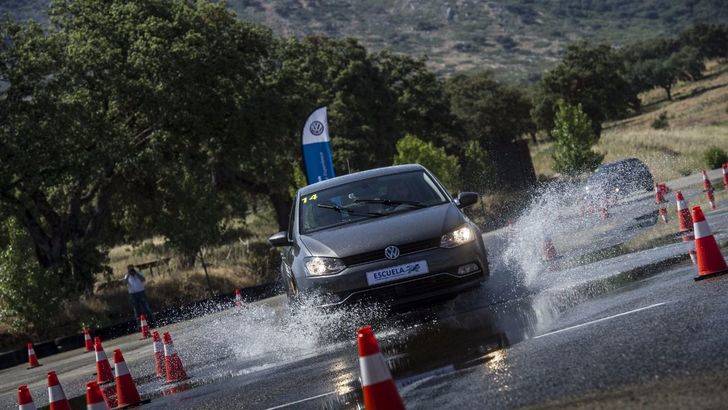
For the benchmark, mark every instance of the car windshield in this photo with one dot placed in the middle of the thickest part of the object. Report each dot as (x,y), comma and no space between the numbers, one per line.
(368,198)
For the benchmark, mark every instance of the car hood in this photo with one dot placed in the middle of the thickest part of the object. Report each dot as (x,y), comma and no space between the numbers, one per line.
(378,233)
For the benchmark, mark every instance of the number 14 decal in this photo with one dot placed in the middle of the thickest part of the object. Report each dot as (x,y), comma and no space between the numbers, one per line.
(310,198)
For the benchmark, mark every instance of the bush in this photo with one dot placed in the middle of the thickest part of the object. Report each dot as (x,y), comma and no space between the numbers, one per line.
(715,157)
(29,295)
(412,150)
(574,136)
(661,121)
(262,260)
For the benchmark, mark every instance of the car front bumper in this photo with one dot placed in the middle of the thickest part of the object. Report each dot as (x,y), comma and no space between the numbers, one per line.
(350,285)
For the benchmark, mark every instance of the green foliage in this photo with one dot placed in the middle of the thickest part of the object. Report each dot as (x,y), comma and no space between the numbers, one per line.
(412,150)
(29,294)
(422,28)
(477,172)
(661,121)
(261,260)
(489,111)
(114,101)
(710,40)
(715,157)
(592,76)
(574,137)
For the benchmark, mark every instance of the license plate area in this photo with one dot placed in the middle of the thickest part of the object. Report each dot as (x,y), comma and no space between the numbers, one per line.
(393,273)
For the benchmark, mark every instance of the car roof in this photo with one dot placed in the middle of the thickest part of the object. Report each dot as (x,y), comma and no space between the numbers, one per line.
(620,162)
(358,176)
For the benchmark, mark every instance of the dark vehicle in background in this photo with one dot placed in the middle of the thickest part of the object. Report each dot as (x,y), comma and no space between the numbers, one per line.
(620,179)
(389,234)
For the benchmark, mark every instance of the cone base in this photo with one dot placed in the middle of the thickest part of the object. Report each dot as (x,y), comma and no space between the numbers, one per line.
(711,275)
(33,367)
(126,406)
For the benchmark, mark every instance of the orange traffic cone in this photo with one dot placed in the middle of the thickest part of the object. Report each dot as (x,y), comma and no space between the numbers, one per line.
(660,201)
(144,326)
(56,397)
(94,397)
(126,391)
(32,359)
(708,189)
(25,400)
(103,368)
(238,298)
(710,260)
(683,213)
(688,237)
(158,354)
(377,384)
(549,251)
(604,213)
(87,340)
(725,175)
(172,362)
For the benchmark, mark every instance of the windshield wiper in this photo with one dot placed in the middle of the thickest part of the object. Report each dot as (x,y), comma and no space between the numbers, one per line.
(341,210)
(414,204)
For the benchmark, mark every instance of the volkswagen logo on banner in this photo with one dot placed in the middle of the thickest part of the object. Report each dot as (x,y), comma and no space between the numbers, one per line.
(316,128)
(391,252)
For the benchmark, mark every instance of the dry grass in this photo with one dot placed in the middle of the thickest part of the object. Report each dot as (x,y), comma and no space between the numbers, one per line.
(697,116)
(170,284)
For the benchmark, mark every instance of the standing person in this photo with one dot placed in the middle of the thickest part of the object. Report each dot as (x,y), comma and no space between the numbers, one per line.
(135,284)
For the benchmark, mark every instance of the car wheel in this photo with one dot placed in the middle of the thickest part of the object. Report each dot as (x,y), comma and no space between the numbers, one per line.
(293,295)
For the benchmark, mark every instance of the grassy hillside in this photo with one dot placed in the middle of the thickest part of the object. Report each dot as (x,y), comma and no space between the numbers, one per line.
(515,38)
(697,117)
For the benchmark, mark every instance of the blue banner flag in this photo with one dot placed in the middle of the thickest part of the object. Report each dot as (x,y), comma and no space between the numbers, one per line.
(317,147)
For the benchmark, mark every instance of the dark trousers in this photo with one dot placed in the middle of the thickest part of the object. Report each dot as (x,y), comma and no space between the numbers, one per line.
(140,305)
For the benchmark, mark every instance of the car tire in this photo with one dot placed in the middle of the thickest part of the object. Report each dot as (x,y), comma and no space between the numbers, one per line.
(293,296)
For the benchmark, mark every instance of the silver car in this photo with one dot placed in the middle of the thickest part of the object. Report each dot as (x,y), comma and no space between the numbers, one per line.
(390,234)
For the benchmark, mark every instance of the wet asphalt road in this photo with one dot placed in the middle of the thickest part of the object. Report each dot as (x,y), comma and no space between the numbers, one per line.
(583,336)
(659,342)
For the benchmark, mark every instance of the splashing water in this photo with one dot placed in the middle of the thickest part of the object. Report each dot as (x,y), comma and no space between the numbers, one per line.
(561,214)
(264,334)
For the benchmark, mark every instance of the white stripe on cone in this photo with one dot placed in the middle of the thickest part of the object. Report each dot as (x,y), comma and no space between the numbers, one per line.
(29,406)
(100,355)
(681,205)
(701,229)
(169,349)
(97,406)
(158,347)
(121,369)
(55,393)
(373,369)
(31,352)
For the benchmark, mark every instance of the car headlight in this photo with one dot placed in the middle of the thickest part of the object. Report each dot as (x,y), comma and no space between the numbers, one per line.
(318,266)
(460,236)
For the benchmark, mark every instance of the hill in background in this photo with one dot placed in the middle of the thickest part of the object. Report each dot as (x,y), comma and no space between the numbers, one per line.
(516,38)
(697,119)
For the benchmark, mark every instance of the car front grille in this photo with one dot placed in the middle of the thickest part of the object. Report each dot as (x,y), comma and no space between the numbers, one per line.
(411,288)
(404,249)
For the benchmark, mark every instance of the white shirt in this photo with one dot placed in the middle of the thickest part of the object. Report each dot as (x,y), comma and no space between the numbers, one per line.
(134,283)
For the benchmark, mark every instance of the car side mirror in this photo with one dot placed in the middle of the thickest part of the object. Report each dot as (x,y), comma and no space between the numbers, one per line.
(279,239)
(466,199)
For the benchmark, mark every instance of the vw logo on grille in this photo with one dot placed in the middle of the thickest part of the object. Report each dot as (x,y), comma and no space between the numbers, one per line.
(391,252)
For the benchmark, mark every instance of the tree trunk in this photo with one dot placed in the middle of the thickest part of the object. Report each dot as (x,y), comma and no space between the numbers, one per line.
(187,259)
(669,93)
(282,206)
